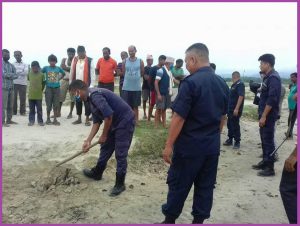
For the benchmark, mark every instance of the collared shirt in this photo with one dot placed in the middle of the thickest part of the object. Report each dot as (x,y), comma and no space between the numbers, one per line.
(106,69)
(105,103)
(270,94)
(22,72)
(8,75)
(237,89)
(202,100)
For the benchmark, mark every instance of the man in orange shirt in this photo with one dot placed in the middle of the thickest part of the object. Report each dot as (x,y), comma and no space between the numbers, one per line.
(106,68)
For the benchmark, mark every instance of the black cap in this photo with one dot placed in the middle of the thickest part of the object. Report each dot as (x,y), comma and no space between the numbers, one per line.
(268,58)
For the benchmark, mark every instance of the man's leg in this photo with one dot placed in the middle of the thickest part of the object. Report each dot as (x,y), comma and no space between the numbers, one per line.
(10,104)
(288,192)
(15,102)
(4,106)
(236,131)
(88,112)
(122,143)
(78,111)
(203,189)
(22,93)
(32,111)
(163,117)
(228,142)
(181,176)
(293,120)
(39,110)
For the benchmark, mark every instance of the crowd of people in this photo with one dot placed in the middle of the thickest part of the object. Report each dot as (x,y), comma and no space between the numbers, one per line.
(200,103)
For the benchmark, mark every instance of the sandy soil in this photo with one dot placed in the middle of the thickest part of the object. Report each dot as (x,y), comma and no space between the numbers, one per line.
(29,154)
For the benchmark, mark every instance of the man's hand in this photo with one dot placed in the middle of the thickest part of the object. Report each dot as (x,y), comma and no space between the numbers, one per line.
(167,154)
(86,145)
(289,164)
(236,112)
(262,121)
(102,139)
(159,98)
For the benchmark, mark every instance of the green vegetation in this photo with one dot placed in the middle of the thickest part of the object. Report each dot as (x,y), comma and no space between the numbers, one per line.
(250,112)
(149,142)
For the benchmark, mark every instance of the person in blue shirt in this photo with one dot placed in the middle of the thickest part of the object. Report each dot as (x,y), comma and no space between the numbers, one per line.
(199,110)
(292,104)
(119,123)
(53,75)
(235,110)
(268,111)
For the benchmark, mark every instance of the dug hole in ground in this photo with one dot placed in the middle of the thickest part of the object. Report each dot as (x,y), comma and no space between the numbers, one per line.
(34,193)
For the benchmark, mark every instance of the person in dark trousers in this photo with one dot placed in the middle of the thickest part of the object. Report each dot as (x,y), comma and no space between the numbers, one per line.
(35,94)
(235,109)
(145,86)
(194,137)
(82,68)
(292,104)
(119,123)
(288,187)
(120,72)
(8,75)
(20,84)
(268,110)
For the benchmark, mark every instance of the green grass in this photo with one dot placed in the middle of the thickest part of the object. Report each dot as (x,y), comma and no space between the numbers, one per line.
(149,142)
(250,112)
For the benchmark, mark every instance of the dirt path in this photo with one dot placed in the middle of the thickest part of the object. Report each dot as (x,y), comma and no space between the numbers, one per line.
(29,153)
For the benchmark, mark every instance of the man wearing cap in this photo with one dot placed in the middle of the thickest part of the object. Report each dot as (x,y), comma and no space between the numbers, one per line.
(268,110)
(82,68)
(146,83)
(106,69)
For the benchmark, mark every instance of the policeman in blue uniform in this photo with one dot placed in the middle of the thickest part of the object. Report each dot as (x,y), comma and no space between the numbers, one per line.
(235,110)
(117,132)
(194,137)
(268,111)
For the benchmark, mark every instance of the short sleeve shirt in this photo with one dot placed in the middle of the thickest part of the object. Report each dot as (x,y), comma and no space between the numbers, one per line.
(291,101)
(237,89)
(106,70)
(53,75)
(202,100)
(152,74)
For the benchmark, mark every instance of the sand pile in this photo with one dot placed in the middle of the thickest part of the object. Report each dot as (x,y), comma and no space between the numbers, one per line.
(55,177)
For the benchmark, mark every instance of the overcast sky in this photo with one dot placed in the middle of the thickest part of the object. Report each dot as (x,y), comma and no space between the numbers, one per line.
(235,33)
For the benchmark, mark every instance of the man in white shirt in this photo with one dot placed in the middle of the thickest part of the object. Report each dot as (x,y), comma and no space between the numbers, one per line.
(82,68)
(20,84)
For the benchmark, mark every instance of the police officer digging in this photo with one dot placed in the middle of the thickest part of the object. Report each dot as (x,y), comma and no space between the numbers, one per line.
(268,110)
(117,133)
(194,137)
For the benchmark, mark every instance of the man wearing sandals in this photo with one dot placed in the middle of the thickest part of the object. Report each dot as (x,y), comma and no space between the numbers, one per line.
(82,68)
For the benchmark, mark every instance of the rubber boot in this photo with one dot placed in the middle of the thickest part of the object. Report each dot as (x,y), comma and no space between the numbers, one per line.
(94,173)
(119,186)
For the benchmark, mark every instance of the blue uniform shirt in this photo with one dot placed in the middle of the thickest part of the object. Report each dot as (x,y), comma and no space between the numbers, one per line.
(270,94)
(105,103)
(202,100)
(237,89)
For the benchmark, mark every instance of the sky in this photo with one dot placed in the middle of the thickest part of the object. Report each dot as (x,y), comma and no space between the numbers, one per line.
(236,34)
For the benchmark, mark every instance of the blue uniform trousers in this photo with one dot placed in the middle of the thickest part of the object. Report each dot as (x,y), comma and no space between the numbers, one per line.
(183,173)
(267,140)
(118,140)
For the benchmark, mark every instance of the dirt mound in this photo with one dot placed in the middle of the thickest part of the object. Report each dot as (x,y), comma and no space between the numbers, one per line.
(57,176)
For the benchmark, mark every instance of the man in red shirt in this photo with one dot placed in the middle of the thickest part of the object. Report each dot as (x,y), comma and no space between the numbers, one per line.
(105,69)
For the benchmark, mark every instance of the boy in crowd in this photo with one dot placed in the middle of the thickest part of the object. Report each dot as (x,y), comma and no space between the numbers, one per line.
(53,75)
(35,94)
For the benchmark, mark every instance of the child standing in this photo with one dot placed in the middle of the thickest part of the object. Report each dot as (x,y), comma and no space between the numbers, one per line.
(52,93)
(35,95)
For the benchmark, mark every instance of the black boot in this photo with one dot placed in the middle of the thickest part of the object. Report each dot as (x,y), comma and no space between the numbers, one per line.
(267,171)
(228,142)
(94,173)
(198,220)
(260,166)
(168,220)
(119,186)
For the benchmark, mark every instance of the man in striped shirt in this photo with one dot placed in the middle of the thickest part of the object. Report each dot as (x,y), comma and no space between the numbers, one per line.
(8,75)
